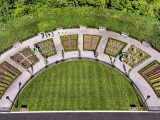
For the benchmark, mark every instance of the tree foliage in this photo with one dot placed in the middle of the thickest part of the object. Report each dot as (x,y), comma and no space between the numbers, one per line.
(140,7)
(11,9)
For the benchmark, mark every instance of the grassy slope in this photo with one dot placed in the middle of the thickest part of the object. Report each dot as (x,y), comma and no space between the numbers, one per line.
(79,85)
(142,28)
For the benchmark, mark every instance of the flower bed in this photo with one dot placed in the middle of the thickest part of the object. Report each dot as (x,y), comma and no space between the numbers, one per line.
(27,58)
(69,42)
(151,73)
(7,75)
(46,48)
(114,47)
(135,56)
(90,42)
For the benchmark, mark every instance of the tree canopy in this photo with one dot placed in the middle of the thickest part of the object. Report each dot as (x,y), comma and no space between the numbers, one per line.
(11,9)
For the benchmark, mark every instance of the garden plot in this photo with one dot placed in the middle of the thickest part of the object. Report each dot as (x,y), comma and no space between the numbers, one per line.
(151,73)
(70,42)
(25,58)
(114,47)
(135,56)
(7,75)
(46,48)
(90,42)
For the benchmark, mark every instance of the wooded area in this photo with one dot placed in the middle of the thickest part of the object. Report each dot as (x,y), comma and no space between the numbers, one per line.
(11,9)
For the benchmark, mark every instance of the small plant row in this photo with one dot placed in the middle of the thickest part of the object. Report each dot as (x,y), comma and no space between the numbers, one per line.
(135,56)
(25,58)
(46,48)
(7,75)
(114,47)
(152,74)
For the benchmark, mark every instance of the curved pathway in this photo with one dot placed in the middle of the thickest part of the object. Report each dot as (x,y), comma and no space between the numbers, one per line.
(144,88)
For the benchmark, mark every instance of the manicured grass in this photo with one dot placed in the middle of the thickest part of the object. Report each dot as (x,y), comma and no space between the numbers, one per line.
(46,48)
(70,42)
(79,85)
(90,42)
(114,47)
(135,56)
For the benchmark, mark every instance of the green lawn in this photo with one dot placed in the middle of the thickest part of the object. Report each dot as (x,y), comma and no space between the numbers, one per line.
(79,85)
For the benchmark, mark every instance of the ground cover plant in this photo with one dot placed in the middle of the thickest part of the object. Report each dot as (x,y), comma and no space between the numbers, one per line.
(114,47)
(90,42)
(79,85)
(7,75)
(46,48)
(135,56)
(25,58)
(70,42)
(151,73)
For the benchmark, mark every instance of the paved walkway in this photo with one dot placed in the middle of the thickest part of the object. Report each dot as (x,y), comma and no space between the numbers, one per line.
(144,88)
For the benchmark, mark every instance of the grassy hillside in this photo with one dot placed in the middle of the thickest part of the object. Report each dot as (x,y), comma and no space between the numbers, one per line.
(142,28)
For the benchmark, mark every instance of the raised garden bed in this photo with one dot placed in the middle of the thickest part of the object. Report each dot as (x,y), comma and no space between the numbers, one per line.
(46,48)
(114,47)
(91,42)
(70,42)
(151,73)
(8,74)
(135,56)
(25,58)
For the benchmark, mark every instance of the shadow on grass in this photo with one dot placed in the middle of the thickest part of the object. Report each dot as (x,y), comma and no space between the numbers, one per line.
(143,106)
